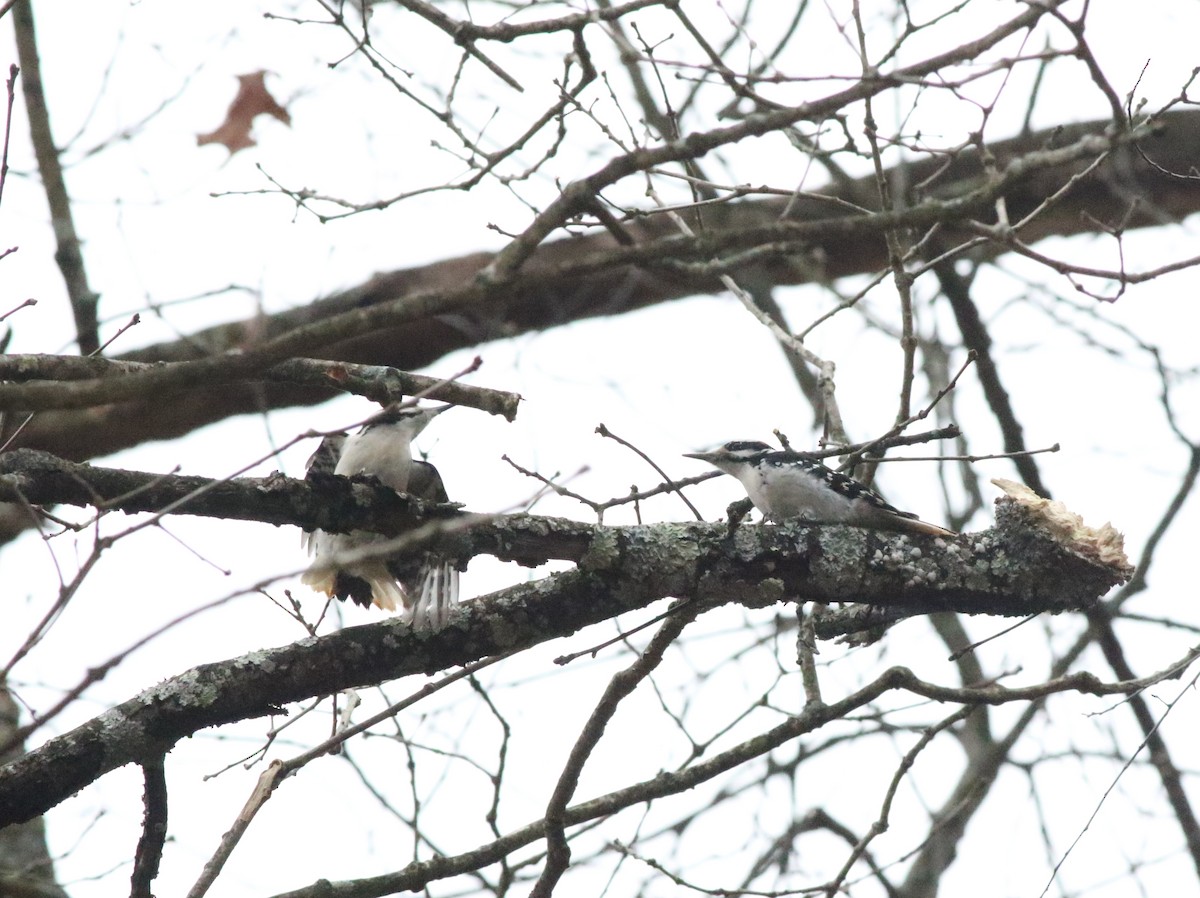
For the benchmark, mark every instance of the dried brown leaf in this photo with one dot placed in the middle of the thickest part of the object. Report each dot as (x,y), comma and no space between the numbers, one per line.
(252,100)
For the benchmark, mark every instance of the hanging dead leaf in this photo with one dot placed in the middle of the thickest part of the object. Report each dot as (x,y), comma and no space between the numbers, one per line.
(253,99)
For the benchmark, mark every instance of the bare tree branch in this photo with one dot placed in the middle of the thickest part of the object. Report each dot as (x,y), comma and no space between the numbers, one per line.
(621,568)
(588,276)
(154,829)
(69,257)
(26,868)
(810,719)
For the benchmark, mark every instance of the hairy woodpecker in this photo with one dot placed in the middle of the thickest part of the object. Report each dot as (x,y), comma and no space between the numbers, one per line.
(786,484)
(424,585)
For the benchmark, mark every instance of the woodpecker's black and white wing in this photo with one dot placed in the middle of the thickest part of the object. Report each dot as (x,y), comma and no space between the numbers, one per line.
(325,459)
(785,484)
(321,463)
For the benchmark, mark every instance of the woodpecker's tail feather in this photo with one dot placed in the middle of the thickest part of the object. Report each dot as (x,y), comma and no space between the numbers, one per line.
(319,580)
(386,593)
(913,524)
(427,591)
(428,608)
(366,585)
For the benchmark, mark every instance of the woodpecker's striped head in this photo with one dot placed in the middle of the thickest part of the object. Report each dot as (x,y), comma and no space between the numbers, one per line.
(409,419)
(734,455)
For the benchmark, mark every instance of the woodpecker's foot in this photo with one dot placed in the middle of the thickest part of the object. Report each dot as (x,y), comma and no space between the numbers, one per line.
(736,513)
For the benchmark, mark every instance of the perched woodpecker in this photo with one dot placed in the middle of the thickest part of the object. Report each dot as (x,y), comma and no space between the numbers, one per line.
(785,484)
(425,586)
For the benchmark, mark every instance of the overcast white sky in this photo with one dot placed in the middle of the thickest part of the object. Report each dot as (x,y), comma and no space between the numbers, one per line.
(162,220)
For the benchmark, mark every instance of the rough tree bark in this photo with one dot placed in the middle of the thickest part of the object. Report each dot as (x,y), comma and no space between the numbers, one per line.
(1018,568)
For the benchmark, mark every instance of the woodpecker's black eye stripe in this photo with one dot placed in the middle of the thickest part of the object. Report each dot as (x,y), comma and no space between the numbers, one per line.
(747,448)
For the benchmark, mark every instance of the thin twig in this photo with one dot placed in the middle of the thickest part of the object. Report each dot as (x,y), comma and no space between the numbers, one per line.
(278,771)
(13,71)
(668,483)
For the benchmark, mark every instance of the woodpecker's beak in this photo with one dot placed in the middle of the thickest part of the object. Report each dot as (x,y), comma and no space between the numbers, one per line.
(703,456)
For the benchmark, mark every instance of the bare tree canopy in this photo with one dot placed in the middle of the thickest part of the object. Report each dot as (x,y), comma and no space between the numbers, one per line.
(935,245)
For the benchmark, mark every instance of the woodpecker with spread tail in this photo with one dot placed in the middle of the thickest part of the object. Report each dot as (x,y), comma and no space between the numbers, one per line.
(426,587)
(786,484)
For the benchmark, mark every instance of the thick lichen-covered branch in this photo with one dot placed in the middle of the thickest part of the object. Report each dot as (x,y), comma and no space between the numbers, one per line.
(1018,567)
